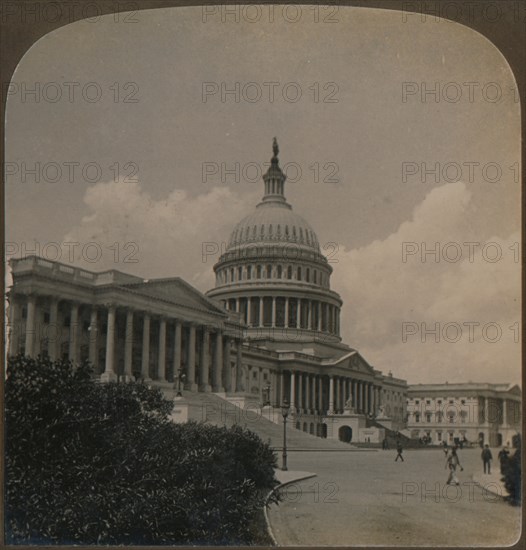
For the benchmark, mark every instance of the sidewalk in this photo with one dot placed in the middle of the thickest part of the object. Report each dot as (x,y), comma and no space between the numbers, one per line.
(289,476)
(491,482)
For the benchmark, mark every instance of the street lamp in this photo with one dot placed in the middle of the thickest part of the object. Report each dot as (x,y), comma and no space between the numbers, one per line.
(180,377)
(285,407)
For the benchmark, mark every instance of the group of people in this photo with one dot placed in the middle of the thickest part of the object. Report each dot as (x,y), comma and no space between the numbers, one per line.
(487,458)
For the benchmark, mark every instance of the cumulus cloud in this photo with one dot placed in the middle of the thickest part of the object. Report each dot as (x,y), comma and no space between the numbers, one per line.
(469,290)
(131,231)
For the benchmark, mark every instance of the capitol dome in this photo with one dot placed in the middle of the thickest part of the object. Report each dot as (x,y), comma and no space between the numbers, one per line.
(274,222)
(273,272)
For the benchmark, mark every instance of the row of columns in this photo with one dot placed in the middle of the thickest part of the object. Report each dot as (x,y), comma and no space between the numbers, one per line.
(221,366)
(307,393)
(310,314)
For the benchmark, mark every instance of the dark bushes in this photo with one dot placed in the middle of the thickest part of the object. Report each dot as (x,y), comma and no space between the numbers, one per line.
(90,463)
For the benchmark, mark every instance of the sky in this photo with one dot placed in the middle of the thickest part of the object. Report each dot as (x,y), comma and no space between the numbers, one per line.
(143,158)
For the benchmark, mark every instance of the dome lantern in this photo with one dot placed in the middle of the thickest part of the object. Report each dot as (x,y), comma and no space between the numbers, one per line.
(274,179)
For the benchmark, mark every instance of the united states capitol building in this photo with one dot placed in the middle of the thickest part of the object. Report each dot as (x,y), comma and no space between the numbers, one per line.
(269,330)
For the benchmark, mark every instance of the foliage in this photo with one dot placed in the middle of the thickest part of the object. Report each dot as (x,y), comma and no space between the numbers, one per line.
(512,474)
(91,463)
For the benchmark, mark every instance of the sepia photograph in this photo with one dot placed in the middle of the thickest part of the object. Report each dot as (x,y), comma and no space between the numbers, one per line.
(262,273)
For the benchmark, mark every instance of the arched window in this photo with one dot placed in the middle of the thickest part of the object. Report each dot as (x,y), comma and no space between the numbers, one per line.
(232,275)
(298,276)
(286,231)
(258,272)
(239,273)
(269,271)
(289,272)
(279,274)
(301,235)
(307,275)
(249,272)
(315,277)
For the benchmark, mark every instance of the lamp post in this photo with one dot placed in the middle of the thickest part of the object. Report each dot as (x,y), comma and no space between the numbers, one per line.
(180,377)
(285,407)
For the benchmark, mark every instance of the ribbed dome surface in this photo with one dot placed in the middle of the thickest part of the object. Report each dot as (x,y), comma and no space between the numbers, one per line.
(274,222)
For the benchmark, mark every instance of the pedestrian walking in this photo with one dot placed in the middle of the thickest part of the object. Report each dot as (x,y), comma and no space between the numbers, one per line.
(453,462)
(487,457)
(399,450)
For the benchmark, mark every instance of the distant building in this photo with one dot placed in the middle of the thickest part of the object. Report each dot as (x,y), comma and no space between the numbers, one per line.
(480,413)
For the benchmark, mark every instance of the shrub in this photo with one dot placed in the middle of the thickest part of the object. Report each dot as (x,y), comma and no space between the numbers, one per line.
(512,474)
(90,463)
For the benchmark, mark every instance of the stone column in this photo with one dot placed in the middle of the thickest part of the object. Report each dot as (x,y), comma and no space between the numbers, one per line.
(227,369)
(128,346)
(177,348)
(292,399)
(486,413)
(320,394)
(309,315)
(237,305)
(53,342)
(204,361)
(313,392)
(109,371)
(286,313)
(261,309)
(299,395)
(145,360)
(336,394)
(240,386)
(161,367)
(217,384)
(319,316)
(190,355)
(298,316)
(273,311)
(30,325)
(249,311)
(74,333)
(279,389)
(331,395)
(93,338)
(504,415)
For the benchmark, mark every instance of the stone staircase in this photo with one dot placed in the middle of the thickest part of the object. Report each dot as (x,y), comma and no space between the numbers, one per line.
(217,410)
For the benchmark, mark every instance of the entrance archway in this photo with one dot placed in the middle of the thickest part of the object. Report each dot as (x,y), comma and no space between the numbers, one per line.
(345,434)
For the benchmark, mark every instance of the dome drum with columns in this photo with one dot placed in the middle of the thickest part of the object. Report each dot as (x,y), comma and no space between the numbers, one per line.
(274,274)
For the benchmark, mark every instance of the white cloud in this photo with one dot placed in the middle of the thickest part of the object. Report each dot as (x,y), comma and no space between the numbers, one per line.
(155,238)
(382,290)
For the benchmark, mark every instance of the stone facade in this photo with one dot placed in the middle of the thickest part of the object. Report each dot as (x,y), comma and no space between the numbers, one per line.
(482,413)
(270,329)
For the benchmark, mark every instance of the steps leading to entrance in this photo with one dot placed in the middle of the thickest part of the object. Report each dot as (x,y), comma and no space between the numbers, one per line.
(213,409)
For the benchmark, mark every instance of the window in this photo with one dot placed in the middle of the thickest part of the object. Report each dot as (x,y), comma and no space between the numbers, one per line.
(439,401)
(307,275)
(46,317)
(254,375)
(289,272)
(269,271)
(428,417)
(417,417)
(249,272)
(315,278)
(451,401)
(279,274)
(239,273)
(462,401)
(258,272)
(417,402)
(428,402)
(299,274)
(439,436)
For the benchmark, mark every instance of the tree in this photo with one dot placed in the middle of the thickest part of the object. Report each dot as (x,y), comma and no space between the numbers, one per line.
(91,463)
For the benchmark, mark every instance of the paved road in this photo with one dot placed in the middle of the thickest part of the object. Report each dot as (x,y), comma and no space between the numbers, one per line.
(367,498)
